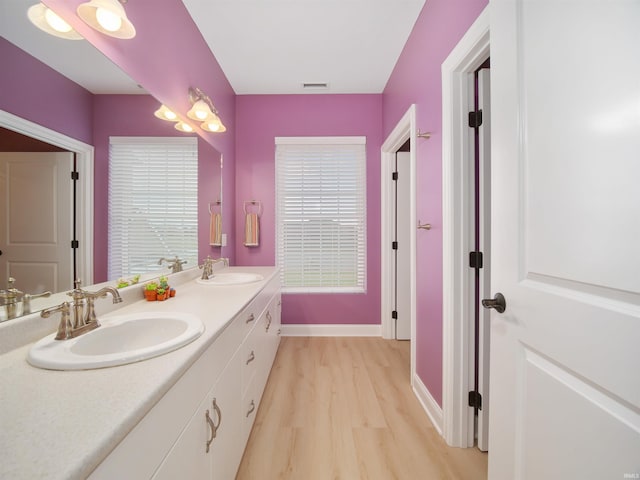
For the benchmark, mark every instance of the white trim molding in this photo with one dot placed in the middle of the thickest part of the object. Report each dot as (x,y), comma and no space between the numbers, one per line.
(457,218)
(404,130)
(84,155)
(326,330)
(431,407)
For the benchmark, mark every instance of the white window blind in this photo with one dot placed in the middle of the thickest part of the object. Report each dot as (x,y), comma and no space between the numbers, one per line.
(321,213)
(153,190)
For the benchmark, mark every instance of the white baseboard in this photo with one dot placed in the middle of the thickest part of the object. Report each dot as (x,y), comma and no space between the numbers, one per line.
(339,330)
(434,411)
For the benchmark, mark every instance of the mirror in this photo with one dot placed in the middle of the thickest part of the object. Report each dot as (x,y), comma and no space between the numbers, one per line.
(37,91)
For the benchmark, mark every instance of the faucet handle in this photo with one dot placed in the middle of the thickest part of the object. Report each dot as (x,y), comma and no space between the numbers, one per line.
(64,327)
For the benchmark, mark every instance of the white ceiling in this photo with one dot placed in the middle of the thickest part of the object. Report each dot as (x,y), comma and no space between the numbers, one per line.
(263,46)
(274,46)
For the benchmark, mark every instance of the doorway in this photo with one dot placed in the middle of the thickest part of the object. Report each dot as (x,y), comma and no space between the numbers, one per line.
(461,386)
(403,133)
(401,313)
(84,190)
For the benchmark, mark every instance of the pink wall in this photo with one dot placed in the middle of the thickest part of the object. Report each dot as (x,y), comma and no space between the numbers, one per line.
(132,115)
(261,118)
(31,90)
(167,56)
(417,79)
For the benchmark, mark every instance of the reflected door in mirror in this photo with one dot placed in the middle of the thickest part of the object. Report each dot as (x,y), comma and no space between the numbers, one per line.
(35,221)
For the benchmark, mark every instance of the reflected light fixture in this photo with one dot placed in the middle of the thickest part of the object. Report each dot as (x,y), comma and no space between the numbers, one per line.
(48,21)
(108,17)
(165,113)
(202,110)
(183,127)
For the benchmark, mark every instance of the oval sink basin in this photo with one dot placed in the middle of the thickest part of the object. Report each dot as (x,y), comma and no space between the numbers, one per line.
(231,278)
(121,339)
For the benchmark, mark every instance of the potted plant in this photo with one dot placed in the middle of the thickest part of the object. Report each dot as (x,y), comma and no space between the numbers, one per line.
(151,291)
(121,283)
(161,294)
(172,292)
(135,279)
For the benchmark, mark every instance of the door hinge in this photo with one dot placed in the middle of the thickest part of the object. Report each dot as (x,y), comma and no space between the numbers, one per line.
(75,175)
(394,314)
(394,176)
(75,244)
(475,259)
(475,119)
(394,245)
(475,400)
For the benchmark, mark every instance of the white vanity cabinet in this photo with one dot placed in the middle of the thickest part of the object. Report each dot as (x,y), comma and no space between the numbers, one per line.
(213,404)
(210,447)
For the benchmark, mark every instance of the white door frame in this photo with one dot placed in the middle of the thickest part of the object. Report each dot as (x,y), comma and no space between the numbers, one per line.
(84,155)
(457,220)
(404,130)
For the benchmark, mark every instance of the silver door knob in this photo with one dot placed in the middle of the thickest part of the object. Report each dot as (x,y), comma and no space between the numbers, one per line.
(498,302)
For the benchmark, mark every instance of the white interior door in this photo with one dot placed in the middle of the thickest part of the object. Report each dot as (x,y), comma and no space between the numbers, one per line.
(484,221)
(565,390)
(403,268)
(35,220)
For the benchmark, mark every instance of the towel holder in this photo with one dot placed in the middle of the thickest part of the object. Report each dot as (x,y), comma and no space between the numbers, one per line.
(253,203)
(217,203)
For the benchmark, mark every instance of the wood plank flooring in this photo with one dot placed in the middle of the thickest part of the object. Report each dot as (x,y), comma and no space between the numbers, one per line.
(342,408)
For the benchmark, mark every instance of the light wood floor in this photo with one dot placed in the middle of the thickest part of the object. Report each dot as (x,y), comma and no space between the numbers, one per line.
(343,408)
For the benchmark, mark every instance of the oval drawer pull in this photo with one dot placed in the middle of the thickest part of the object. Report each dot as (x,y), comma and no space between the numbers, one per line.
(251,318)
(252,357)
(253,407)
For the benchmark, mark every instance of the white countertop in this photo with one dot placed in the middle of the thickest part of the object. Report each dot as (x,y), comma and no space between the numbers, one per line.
(62,424)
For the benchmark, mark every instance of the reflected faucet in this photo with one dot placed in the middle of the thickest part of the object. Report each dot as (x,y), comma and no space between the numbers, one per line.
(10,297)
(175,264)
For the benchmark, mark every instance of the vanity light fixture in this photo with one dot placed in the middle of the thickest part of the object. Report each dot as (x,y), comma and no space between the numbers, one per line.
(108,17)
(202,110)
(48,21)
(165,113)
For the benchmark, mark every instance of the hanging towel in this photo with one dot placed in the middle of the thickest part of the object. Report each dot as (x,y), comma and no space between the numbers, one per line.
(215,230)
(251,230)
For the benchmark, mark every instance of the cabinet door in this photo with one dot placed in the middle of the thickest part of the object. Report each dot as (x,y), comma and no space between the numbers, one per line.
(189,458)
(228,446)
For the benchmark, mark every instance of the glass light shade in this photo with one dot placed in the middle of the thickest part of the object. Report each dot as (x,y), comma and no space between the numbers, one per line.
(48,21)
(200,111)
(108,17)
(214,125)
(108,20)
(165,114)
(183,127)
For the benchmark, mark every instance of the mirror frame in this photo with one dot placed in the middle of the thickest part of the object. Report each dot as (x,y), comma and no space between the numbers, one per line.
(84,156)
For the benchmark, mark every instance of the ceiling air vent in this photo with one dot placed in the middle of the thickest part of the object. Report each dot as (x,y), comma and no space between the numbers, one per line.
(315,86)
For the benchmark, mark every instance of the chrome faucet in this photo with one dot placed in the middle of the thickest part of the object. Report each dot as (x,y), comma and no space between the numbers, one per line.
(207,266)
(84,315)
(175,264)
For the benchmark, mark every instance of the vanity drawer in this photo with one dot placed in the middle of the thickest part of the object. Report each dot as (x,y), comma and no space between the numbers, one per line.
(251,359)
(259,303)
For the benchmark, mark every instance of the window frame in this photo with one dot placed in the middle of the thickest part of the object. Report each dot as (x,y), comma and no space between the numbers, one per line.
(358,220)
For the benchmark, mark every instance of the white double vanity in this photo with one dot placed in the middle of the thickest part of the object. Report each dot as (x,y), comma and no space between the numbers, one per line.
(186,414)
